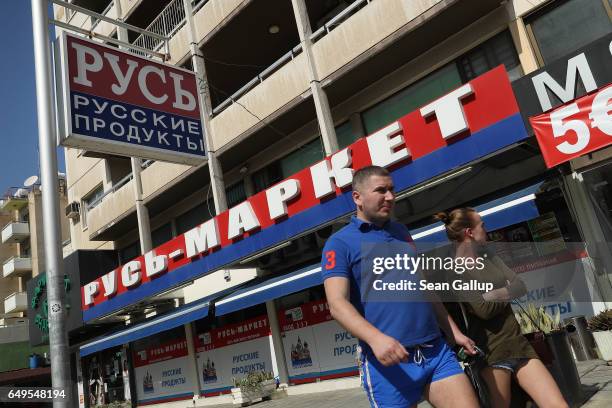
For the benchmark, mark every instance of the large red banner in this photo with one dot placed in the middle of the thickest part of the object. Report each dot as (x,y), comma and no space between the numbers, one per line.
(576,128)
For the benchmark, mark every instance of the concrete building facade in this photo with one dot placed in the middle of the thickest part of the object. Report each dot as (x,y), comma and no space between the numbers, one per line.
(22,255)
(289,82)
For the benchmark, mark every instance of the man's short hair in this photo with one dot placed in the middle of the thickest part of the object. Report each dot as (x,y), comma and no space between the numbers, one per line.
(364,174)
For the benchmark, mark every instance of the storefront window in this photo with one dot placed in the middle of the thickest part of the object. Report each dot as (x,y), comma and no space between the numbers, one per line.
(267,176)
(566,26)
(129,252)
(237,345)
(345,135)
(160,368)
(598,182)
(493,52)
(416,95)
(235,194)
(161,235)
(194,217)
(316,346)
(301,158)
(106,377)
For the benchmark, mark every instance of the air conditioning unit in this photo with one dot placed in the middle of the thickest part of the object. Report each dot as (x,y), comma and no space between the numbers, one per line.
(72,210)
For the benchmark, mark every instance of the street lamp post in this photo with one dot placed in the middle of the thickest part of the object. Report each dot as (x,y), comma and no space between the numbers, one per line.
(58,336)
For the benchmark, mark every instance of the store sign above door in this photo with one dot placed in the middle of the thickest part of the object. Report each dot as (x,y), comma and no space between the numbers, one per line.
(566,79)
(467,124)
(119,103)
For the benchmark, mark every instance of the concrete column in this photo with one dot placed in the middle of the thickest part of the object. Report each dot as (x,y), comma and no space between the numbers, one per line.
(142,213)
(525,51)
(357,124)
(278,351)
(214,166)
(192,368)
(249,188)
(324,116)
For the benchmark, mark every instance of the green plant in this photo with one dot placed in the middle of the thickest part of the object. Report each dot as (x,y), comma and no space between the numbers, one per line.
(601,321)
(534,319)
(253,381)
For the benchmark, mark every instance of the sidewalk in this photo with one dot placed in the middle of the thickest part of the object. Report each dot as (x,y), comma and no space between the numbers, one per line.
(596,379)
(595,375)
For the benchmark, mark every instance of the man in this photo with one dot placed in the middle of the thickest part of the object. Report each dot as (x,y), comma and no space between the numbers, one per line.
(403,354)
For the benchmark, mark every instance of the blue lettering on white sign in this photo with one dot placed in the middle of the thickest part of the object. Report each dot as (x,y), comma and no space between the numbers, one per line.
(123,122)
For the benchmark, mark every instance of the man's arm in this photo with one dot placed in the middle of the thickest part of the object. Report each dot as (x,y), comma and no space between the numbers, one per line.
(386,349)
(450,328)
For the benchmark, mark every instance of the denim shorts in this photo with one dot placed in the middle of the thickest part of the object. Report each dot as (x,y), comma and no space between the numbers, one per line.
(511,364)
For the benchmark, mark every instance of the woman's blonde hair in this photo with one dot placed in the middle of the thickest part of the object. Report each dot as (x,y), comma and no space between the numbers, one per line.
(456,222)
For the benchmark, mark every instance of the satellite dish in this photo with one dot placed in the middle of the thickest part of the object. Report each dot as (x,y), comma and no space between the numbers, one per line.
(20,193)
(30,181)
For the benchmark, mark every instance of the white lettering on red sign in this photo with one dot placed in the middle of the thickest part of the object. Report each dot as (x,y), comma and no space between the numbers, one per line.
(202,238)
(130,274)
(279,195)
(183,99)
(242,219)
(109,282)
(576,128)
(89,291)
(449,111)
(477,105)
(155,264)
(327,176)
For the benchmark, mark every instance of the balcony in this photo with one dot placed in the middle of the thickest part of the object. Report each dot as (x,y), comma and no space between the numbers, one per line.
(16,266)
(16,302)
(12,203)
(114,214)
(15,232)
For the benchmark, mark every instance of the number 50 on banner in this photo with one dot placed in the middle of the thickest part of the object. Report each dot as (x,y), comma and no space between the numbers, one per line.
(576,128)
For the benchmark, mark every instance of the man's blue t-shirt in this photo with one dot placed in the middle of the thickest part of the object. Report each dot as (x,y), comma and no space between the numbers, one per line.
(410,322)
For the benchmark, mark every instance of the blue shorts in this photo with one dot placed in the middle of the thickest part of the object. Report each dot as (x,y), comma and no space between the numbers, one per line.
(402,385)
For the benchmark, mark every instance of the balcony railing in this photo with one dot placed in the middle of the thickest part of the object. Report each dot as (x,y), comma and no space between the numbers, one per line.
(167,23)
(320,33)
(16,302)
(96,21)
(118,185)
(338,19)
(16,266)
(14,198)
(259,78)
(15,232)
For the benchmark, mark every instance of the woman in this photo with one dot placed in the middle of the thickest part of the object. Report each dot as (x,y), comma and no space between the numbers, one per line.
(491,321)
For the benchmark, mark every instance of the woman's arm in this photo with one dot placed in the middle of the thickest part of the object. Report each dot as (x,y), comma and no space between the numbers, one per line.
(514,289)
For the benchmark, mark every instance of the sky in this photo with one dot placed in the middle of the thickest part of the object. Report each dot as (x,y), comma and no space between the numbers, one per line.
(18,124)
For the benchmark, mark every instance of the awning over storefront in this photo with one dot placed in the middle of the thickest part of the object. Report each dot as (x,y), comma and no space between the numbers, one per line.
(178,317)
(511,209)
(252,294)
(270,289)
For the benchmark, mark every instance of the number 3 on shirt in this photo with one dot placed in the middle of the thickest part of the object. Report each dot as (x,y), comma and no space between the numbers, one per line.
(330,257)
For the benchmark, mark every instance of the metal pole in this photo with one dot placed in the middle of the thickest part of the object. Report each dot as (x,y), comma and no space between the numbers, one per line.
(214,166)
(58,336)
